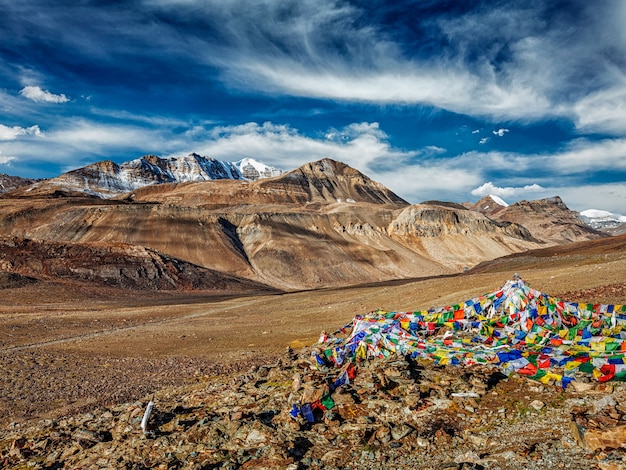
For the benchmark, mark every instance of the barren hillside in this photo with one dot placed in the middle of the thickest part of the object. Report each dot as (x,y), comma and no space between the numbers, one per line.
(322,225)
(547,219)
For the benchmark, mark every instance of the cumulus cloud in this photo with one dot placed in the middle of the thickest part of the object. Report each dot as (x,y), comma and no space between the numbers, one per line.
(500,132)
(38,95)
(567,172)
(578,197)
(414,174)
(489,188)
(357,144)
(12,133)
(483,141)
(606,196)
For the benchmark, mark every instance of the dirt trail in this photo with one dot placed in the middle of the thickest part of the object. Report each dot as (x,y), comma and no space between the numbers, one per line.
(121,329)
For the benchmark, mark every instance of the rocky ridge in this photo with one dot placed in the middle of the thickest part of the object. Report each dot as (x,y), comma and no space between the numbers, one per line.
(117,265)
(9,183)
(546,219)
(108,179)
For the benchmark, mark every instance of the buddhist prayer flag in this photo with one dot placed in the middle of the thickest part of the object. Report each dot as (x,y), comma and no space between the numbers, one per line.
(515,328)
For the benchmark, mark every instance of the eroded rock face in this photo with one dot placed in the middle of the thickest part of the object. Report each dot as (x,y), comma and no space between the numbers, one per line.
(118,265)
(289,246)
(9,183)
(432,220)
(456,237)
(549,220)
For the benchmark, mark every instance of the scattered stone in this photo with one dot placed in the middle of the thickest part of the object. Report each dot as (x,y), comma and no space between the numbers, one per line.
(468,457)
(537,404)
(420,418)
(400,431)
(598,439)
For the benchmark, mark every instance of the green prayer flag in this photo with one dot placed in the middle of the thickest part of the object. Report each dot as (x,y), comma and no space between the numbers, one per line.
(586,367)
(327,402)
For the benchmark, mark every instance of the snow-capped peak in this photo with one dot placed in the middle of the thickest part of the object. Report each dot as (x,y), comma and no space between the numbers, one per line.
(107,179)
(253,170)
(498,200)
(600,219)
(599,214)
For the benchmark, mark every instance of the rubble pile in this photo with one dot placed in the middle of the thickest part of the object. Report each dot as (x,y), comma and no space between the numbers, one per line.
(393,413)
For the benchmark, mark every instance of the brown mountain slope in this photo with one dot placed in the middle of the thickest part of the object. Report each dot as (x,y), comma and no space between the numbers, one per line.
(324,224)
(323,182)
(583,255)
(549,220)
(9,183)
(287,246)
(331,181)
(113,264)
(458,237)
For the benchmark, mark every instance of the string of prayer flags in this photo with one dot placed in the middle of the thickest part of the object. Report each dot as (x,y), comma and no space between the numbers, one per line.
(515,328)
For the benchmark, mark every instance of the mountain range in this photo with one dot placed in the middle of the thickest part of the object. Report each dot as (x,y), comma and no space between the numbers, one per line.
(107,179)
(201,224)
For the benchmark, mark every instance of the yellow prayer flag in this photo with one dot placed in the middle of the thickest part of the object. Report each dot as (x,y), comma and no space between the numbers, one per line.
(550,376)
(571,365)
(598,346)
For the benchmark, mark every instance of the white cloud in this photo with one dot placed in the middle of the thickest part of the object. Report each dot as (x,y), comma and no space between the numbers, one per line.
(603,111)
(579,197)
(501,61)
(329,49)
(6,160)
(508,59)
(415,174)
(579,158)
(358,144)
(12,133)
(509,192)
(38,95)
(483,141)
(74,142)
(583,155)
(564,173)
(609,196)
(500,132)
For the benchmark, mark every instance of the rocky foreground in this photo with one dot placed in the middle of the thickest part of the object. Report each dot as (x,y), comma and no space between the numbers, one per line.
(394,413)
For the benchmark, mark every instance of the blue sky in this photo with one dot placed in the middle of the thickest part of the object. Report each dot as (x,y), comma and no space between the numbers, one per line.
(448,100)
